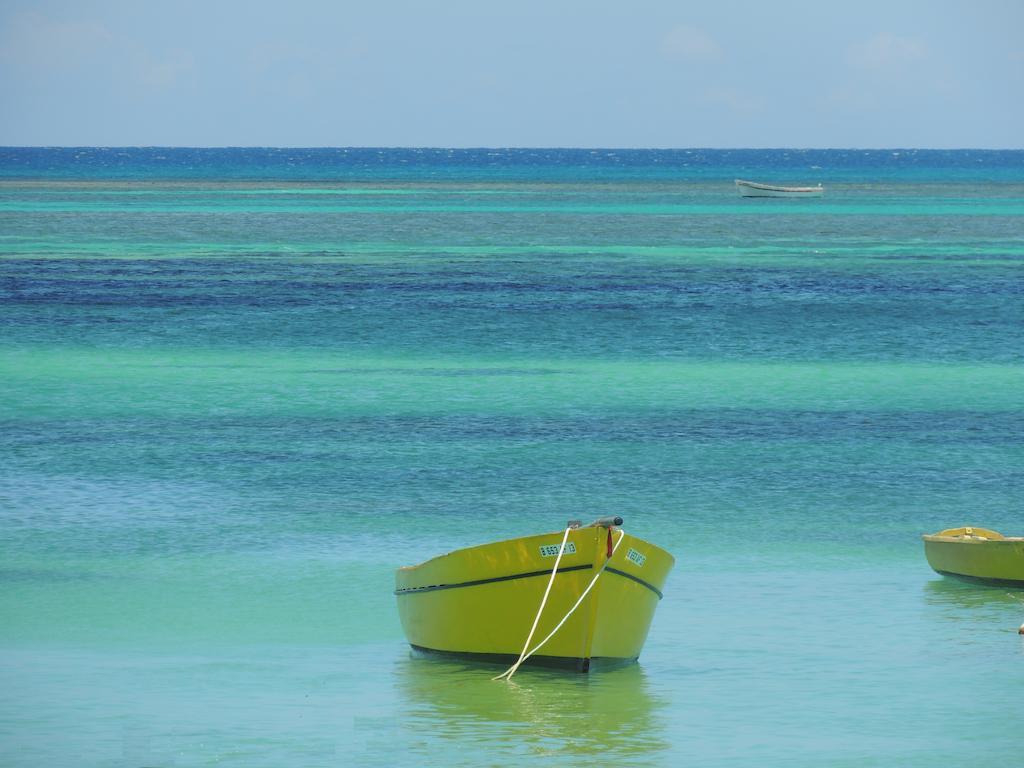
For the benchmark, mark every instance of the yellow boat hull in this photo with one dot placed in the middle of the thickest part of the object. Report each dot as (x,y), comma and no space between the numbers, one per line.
(482,601)
(977,554)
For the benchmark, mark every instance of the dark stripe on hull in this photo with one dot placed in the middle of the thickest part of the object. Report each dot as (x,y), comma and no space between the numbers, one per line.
(528,575)
(575,664)
(983,580)
(478,582)
(637,579)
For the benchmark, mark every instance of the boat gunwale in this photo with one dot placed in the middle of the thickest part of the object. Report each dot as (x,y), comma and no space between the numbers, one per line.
(520,538)
(967,539)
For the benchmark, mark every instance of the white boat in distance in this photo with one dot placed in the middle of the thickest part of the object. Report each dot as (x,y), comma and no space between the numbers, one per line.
(754,189)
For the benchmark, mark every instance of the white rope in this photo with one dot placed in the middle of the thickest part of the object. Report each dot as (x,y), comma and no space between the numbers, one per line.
(561,550)
(507,674)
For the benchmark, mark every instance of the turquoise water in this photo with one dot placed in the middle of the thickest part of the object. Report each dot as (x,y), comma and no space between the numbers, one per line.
(239,387)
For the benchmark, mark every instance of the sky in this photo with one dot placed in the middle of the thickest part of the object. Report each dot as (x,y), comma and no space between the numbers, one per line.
(515,73)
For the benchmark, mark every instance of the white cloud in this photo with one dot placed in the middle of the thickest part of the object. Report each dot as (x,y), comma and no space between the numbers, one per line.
(888,71)
(737,101)
(159,72)
(887,51)
(686,42)
(33,41)
(35,45)
(851,98)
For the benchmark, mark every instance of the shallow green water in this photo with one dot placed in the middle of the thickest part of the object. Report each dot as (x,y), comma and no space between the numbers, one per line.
(230,410)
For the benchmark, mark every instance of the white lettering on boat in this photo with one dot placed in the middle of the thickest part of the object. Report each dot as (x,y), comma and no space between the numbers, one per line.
(551,550)
(635,556)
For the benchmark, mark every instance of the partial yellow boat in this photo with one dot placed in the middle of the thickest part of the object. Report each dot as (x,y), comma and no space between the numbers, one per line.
(978,555)
(482,601)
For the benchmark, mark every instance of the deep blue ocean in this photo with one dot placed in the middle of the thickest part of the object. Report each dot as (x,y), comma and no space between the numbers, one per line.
(572,165)
(239,387)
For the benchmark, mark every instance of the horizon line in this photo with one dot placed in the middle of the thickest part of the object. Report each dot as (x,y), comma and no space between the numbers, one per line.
(894,148)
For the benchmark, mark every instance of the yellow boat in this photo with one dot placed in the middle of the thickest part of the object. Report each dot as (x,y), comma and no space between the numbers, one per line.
(978,555)
(481,602)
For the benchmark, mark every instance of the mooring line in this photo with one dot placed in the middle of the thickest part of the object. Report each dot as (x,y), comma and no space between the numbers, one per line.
(507,674)
(561,550)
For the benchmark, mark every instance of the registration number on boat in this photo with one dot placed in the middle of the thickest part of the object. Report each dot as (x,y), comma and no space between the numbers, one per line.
(636,557)
(551,550)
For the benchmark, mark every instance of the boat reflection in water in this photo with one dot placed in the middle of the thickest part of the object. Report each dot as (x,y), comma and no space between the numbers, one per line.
(451,706)
(973,611)
(959,595)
